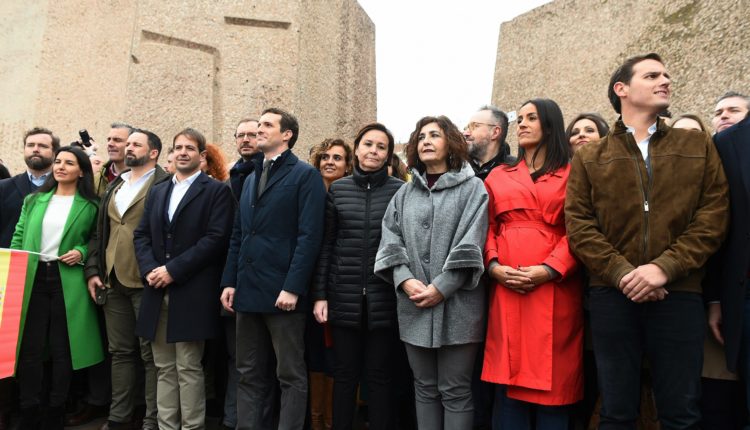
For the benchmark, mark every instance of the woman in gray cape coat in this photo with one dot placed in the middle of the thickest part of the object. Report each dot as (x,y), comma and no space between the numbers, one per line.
(431,249)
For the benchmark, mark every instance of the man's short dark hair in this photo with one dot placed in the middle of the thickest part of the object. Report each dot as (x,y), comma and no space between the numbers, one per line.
(731,94)
(153,140)
(624,74)
(193,135)
(42,130)
(287,122)
(501,118)
(129,127)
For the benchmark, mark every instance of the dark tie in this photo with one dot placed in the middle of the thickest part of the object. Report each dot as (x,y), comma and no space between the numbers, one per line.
(264,176)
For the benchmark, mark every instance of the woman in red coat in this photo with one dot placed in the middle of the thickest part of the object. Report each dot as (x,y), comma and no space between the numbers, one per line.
(535,328)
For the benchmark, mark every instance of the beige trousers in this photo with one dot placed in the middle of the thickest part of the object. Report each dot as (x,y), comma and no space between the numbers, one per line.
(180,389)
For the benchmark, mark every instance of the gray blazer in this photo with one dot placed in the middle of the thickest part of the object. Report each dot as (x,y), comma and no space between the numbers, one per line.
(437,236)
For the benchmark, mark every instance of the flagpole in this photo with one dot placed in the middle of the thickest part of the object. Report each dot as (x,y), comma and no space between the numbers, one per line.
(36,253)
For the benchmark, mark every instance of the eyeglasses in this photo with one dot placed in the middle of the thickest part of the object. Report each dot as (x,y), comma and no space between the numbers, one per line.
(240,136)
(472,125)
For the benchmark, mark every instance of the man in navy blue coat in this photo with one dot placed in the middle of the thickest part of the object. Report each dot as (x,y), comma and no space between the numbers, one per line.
(728,279)
(180,246)
(278,232)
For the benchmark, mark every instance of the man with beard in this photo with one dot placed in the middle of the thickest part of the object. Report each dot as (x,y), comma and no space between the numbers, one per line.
(116,141)
(485,135)
(112,272)
(181,246)
(39,149)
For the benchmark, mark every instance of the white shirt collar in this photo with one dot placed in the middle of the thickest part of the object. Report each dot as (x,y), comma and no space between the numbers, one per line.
(189,180)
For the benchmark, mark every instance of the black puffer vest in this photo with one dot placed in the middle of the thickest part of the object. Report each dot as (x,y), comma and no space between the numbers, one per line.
(354,214)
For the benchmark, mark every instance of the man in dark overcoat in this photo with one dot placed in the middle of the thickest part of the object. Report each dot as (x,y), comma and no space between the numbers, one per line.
(181,246)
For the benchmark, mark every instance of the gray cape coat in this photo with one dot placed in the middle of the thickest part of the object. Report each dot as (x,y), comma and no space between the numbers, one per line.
(437,236)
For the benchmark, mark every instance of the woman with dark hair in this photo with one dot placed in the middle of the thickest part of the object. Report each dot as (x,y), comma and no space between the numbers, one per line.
(214,164)
(57,317)
(431,249)
(535,329)
(333,158)
(360,307)
(690,122)
(585,128)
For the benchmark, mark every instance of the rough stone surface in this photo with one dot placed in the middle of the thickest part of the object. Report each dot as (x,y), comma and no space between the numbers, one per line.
(165,65)
(566,50)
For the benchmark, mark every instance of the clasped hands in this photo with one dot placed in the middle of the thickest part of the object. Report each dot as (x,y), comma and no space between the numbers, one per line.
(423,296)
(159,277)
(522,280)
(286,301)
(645,284)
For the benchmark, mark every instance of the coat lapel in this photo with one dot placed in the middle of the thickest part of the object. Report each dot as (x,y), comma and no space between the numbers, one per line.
(141,194)
(195,188)
(79,203)
(36,219)
(521,175)
(23,184)
(284,170)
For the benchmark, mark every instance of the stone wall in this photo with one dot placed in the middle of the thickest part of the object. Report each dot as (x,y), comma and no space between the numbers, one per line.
(168,65)
(566,50)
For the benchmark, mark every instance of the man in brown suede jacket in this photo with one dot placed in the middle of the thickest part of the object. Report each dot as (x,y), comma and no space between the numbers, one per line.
(646,207)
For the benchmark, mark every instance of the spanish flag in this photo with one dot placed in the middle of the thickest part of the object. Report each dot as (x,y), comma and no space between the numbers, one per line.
(13,266)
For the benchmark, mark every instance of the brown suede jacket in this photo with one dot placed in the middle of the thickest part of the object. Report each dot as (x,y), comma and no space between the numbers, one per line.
(619,218)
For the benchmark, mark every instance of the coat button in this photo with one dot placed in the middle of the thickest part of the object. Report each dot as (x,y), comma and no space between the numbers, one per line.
(122,222)
(169,235)
(252,233)
(167,255)
(426,224)
(426,260)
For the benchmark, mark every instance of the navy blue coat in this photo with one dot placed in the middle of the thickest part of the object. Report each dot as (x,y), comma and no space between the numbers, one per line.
(276,237)
(193,248)
(728,270)
(12,192)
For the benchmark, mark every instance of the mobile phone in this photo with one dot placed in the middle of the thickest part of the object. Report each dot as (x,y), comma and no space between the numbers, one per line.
(101,296)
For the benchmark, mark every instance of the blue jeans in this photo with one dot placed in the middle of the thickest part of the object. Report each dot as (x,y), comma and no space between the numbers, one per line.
(512,414)
(670,332)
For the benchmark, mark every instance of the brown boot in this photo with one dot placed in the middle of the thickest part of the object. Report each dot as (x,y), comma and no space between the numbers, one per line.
(328,396)
(317,400)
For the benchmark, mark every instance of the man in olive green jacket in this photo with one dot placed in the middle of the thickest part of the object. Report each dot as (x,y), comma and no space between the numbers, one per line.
(646,207)
(112,272)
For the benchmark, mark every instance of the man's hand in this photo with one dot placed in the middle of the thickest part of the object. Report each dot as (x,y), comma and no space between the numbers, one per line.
(71,258)
(321,311)
(227,299)
(714,321)
(637,284)
(93,283)
(159,277)
(428,298)
(413,287)
(512,279)
(286,301)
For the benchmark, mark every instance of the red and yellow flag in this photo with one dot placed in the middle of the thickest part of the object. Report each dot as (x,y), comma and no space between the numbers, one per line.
(13,266)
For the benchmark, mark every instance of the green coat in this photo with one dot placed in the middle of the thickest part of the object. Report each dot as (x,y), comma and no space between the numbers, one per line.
(83,325)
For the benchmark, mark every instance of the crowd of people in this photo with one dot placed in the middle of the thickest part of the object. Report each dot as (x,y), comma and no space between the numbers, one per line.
(564,288)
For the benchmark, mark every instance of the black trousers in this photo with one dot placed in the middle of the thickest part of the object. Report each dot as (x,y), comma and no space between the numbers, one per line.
(355,350)
(670,333)
(45,326)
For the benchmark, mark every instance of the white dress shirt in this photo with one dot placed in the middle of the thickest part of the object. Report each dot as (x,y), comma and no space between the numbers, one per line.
(178,192)
(126,193)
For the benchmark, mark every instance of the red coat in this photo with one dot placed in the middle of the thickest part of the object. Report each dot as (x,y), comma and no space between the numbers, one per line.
(534,341)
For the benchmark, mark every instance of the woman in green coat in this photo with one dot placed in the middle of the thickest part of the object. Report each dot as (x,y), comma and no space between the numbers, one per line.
(58,318)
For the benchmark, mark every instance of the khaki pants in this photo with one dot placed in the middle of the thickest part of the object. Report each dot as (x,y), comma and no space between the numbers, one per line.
(121,312)
(180,389)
